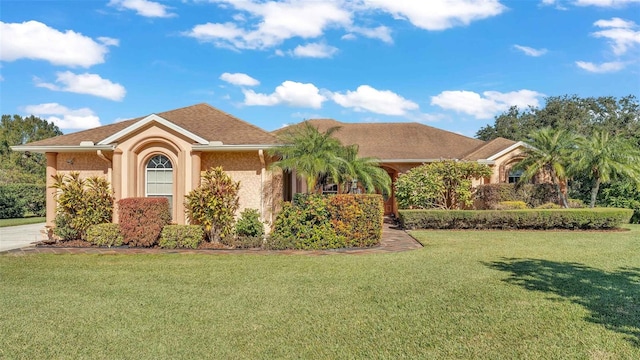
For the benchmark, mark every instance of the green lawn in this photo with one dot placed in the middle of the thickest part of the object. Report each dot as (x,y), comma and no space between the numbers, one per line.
(465,295)
(21,221)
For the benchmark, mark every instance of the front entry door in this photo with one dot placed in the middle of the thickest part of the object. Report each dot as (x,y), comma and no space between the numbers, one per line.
(389,199)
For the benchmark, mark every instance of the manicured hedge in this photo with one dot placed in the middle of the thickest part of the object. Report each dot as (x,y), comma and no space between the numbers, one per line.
(181,236)
(142,219)
(489,196)
(328,222)
(539,219)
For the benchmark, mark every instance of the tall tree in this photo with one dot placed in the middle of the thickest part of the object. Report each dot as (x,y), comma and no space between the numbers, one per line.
(16,130)
(602,158)
(549,153)
(311,153)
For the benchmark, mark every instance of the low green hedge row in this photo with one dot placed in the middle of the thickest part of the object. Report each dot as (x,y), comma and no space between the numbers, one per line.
(537,219)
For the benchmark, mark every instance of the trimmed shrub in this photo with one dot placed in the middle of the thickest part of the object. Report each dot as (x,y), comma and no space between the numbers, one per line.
(214,204)
(511,205)
(576,204)
(489,196)
(105,235)
(357,218)
(540,219)
(181,236)
(549,206)
(249,224)
(81,203)
(304,224)
(142,219)
(248,242)
(328,222)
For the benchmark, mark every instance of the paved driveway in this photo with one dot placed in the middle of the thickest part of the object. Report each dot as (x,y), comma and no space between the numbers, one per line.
(15,237)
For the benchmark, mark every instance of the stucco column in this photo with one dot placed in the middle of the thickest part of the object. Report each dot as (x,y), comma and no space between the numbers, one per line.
(196,166)
(52,169)
(116,181)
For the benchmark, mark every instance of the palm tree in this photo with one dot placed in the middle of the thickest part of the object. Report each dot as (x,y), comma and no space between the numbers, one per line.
(363,170)
(549,152)
(311,153)
(604,158)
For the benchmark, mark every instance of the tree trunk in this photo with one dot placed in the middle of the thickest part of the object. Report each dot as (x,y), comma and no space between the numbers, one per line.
(594,192)
(563,198)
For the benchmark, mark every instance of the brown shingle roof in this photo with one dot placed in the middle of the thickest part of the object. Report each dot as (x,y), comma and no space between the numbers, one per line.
(489,148)
(201,119)
(400,140)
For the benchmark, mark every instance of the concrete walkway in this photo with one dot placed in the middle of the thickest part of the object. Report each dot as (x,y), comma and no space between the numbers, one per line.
(393,240)
(15,237)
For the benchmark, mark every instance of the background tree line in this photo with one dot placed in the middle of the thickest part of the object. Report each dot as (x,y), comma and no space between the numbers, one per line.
(595,144)
(22,176)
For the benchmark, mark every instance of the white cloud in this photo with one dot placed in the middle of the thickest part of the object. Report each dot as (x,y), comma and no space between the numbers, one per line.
(314,50)
(605,3)
(348,36)
(290,93)
(239,79)
(530,51)
(268,24)
(143,7)
(35,40)
(439,14)
(109,41)
(606,67)
(377,101)
(620,33)
(278,21)
(65,118)
(381,33)
(86,83)
(487,105)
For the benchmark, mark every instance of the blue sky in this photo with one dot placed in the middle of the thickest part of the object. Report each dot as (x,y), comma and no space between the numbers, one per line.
(452,64)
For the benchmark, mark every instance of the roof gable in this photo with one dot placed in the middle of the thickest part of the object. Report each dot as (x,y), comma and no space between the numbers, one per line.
(202,123)
(147,120)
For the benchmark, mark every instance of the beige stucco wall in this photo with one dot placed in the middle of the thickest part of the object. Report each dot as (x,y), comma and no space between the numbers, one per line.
(125,168)
(503,165)
(260,188)
(86,163)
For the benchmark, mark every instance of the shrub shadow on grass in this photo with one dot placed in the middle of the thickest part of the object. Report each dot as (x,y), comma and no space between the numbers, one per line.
(612,298)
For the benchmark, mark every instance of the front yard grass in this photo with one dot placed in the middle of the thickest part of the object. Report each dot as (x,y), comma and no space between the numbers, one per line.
(22,221)
(466,294)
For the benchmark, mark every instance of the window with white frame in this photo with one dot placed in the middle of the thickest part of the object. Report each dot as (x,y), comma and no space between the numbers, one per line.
(514,176)
(159,178)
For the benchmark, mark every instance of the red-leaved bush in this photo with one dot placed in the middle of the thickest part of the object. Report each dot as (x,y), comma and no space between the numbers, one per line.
(142,219)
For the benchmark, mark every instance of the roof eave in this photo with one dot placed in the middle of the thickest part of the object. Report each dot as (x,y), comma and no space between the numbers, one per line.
(245,147)
(509,149)
(62,148)
(414,161)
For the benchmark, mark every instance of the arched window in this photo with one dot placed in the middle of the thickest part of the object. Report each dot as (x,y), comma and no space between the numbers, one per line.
(160,178)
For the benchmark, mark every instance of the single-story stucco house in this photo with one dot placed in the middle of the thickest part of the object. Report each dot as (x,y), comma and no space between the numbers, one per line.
(164,154)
